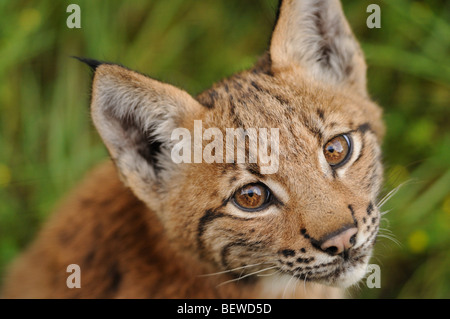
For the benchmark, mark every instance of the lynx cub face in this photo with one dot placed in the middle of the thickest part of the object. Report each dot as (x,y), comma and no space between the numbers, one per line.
(312,217)
(316,217)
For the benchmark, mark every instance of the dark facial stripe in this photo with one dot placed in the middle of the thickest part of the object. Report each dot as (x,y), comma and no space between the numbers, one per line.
(350,207)
(225,251)
(257,87)
(320,113)
(213,95)
(312,128)
(260,89)
(254,169)
(208,217)
(237,243)
(363,128)
(236,120)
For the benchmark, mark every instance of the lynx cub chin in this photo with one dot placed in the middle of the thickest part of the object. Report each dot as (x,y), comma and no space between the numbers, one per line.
(143,226)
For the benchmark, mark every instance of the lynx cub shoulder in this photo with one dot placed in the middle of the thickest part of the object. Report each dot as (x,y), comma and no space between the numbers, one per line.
(146,226)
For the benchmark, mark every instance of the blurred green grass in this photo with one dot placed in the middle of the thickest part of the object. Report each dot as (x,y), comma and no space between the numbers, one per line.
(47,141)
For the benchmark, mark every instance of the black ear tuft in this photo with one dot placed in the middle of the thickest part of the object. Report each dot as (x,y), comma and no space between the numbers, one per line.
(93,64)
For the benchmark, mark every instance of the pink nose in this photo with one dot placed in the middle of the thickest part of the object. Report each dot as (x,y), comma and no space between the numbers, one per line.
(341,242)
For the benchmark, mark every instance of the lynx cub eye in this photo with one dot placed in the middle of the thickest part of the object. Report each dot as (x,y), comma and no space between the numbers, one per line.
(252,197)
(337,150)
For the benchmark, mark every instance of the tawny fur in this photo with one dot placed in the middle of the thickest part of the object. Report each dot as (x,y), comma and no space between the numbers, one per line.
(122,251)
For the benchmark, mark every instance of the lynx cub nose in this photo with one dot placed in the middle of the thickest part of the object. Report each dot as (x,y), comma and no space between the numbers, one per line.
(341,242)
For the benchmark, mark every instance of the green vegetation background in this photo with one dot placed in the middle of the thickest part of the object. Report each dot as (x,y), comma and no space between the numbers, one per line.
(47,141)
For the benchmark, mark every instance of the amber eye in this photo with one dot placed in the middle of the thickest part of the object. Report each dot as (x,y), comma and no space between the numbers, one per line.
(337,150)
(252,197)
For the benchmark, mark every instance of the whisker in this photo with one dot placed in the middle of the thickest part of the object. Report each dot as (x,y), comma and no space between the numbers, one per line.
(387,230)
(268,275)
(234,269)
(288,283)
(385,220)
(385,212)
(247,275)
(389,195)
(295,287)
(304,283)
(379,262)
(390,237)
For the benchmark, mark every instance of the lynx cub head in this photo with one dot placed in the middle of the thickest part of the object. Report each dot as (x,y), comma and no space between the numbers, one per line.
(315,217)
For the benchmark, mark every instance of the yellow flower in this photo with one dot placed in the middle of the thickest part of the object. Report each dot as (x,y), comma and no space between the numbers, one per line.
(418,241)
(30,19)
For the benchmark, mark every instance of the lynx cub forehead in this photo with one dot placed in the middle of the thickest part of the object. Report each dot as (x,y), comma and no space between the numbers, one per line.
(211,224)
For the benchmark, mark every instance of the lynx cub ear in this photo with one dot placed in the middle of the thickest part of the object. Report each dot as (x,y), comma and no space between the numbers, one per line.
(135,116)
(313,37)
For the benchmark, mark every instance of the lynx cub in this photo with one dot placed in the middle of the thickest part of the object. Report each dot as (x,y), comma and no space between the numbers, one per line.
(143,226)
